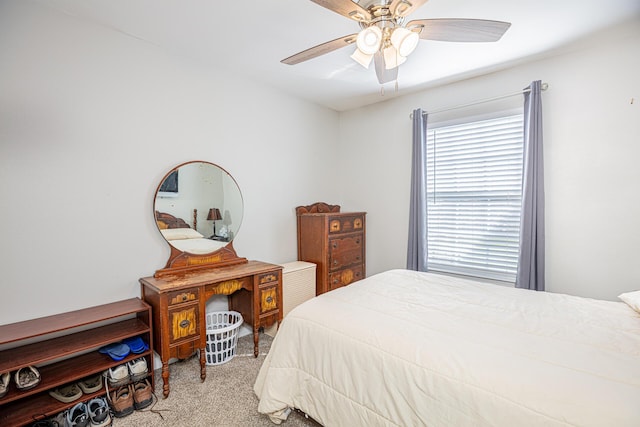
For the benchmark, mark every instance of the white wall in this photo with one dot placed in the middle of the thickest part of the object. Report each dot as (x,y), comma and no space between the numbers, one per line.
(591,149)
(91,120)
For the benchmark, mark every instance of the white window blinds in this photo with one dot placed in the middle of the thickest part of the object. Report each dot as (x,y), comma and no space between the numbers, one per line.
(474,189)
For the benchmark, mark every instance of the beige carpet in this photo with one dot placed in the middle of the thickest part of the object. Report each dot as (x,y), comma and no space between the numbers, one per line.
(225,398)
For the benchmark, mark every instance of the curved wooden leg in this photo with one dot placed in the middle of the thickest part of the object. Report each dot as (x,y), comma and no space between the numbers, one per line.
(203,367)
(165,379)
(256,337)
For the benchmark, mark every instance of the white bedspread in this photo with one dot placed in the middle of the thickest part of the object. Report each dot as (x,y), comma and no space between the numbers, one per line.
(416,349)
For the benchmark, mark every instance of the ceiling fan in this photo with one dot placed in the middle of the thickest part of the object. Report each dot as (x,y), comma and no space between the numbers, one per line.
(386,39)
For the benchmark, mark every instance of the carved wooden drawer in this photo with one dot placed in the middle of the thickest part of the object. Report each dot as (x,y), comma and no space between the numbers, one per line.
(183,323)
(268,299)
(270,277)
(180,297)
(345,277)
(345,251)
(346,224)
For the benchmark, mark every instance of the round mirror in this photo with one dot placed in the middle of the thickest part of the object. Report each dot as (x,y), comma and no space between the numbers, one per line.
(198,208)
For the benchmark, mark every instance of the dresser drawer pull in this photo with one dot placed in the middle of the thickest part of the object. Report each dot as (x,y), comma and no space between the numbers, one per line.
(335,262)
(184,297)
(269,299)
(185,323)
(335,245)
(358,241)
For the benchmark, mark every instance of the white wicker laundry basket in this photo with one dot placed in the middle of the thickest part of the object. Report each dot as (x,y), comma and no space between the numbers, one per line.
(222,336)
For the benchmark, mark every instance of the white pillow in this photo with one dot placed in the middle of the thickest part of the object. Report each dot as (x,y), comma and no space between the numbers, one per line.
(632,299)
(180,234)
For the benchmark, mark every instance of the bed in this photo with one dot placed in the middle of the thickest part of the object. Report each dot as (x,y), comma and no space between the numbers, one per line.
(403,348)
(177,232)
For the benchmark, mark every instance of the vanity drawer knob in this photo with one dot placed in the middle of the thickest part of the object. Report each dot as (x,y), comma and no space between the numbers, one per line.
(184,297)
(335,262)
(335,245)
(269,299)
(185,323)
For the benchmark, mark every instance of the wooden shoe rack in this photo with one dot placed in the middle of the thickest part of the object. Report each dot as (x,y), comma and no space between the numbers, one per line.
(64,349)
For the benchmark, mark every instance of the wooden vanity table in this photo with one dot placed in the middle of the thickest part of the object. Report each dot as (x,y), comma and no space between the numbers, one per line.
(200,267)
(179,302)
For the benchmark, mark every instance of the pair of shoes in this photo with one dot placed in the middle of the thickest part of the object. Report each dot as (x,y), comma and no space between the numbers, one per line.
(142,394)
(27,378)
(117,351)
(99,413)
(132,396)
(70,392)
(5,377)
(131,371)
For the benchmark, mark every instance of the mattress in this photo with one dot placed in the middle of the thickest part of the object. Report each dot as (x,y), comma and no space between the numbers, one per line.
(403,348)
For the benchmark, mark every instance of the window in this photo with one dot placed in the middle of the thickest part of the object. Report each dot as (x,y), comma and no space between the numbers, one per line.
(474,194)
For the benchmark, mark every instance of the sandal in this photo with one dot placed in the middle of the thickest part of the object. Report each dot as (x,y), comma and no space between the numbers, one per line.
(91,384)
(27,378)
(67,393)
(4,383)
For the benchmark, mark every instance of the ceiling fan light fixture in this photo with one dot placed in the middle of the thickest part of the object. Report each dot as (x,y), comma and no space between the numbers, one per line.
(405,41)
(392,59)
(369,40)
(362,58)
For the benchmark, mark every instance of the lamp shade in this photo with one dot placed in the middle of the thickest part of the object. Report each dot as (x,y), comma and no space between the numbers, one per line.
(404,41)
(392,58)
(369,39)
(362,58)
(214,214)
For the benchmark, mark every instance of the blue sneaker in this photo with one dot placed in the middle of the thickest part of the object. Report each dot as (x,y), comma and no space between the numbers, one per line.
(78,416)
(99,412)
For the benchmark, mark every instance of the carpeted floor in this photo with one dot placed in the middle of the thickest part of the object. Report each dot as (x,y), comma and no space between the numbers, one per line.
(225,398)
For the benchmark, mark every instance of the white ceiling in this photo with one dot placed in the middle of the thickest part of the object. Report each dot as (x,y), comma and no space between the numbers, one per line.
(252,36)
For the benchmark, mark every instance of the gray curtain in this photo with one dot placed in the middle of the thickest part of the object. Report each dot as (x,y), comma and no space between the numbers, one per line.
(417,248)
(531,258)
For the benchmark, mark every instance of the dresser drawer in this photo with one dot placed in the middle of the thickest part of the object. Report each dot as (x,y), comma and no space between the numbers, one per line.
(270,277)
(268,299)
(346,223)
(345,251)
(180,297)
(183,322)
(345,276)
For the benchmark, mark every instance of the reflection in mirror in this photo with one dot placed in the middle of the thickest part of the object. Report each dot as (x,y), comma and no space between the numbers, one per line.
(198,208)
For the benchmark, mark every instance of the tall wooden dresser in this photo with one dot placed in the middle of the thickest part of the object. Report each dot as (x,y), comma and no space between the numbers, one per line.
(334,241)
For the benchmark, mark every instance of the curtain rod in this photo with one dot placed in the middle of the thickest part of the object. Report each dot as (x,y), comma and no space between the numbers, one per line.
(543,86)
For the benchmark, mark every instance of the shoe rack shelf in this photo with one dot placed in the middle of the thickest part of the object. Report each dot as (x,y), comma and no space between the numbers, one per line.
(63,348)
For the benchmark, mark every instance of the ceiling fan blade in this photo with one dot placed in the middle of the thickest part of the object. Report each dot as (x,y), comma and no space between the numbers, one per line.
(459,30)
(320,49)
(346,8)
(405,7)
(382,73)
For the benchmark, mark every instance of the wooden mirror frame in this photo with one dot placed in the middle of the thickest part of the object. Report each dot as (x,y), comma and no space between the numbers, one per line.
(181,262)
